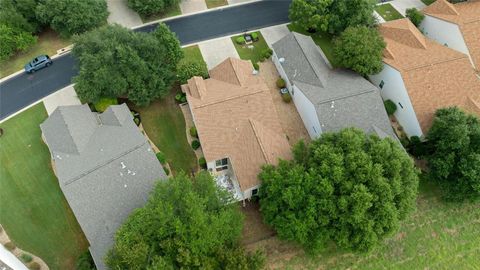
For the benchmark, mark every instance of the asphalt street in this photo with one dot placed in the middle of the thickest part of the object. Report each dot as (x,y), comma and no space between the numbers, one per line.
(25,89)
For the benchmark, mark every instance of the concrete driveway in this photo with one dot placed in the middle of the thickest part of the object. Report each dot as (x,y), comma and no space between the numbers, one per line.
(402,5)
(66,96)
(190,6)
(217,50)
(274,33)
(120,13)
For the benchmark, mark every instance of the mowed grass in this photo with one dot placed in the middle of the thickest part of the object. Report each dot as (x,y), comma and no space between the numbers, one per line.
(322,39)
(48,43)
(34,211)
(254,54)
(192,54)
(437,236)
(388,12)
(216,3)
(170,12)
(164,124)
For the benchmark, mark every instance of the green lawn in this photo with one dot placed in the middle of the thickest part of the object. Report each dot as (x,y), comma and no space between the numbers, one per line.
(322,39)
(428,2)
(437,236)
(164,123)
(192,54)
(388,12)
(216,3)
(172,11)
(48,43)
(34,211)
(253,54)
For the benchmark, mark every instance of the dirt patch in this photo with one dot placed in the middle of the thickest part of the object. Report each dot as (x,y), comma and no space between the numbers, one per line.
(434,234)
(400,236)
(289,118)
(450,231)
(254,228)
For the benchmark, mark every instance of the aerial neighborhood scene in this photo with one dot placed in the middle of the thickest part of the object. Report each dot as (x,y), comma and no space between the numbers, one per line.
(239,134)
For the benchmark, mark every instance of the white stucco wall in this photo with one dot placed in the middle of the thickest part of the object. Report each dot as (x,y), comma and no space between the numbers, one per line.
(394,89)
(445,32)
(304,107)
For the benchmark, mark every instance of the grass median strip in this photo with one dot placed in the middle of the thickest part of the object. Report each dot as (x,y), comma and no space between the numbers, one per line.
(388,12)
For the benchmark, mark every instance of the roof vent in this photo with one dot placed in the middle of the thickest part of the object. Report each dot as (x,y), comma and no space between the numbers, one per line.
(281,60)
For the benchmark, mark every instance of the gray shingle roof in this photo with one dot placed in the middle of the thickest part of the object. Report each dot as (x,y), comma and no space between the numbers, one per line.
(110,174)
(342,98)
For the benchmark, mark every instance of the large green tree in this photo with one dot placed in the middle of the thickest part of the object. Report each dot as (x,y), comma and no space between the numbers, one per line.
(346,187)
(13,40)
(149,7)
(454,158)
(332,15)
(186,224)
(360,49)
(69,17)
(117,62)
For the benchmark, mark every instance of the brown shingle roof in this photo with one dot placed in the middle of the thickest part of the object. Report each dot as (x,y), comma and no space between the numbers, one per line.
(236,118)
(467,16)
(435,76)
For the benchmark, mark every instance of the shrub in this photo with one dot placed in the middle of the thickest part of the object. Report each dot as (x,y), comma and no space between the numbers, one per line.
(136,120)
(188,70)
(167,171)
(202,162)
(267,53)
(416,147)
(390,106)
(85,261)
(415,16)
(281,83)
(195,144)
(286,98)
(254,36)
(193,132)
(262,59)
(181,97)
(149,7)
(34,266)
(102,104)
(161,158)
(240,40)
(256,66)
(10,246)
(26,258)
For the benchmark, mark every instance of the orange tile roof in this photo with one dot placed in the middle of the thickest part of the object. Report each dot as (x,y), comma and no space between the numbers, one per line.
(467,16)
(236,118)
(435,76)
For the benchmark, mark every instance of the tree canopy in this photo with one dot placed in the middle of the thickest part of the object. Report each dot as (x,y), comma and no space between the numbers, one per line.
(454,156)
(149,7)
(346,187)
(333,16)
(14,39)
(69,17)
(117,62)
(186,224)
(360,49)
(415,16)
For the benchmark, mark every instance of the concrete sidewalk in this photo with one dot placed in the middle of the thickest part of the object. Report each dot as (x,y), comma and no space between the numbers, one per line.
(190,6)
(120,13)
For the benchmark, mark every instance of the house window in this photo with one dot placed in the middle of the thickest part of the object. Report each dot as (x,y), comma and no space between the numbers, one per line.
(382,83)
(221,164)
(400,105)
(255,192)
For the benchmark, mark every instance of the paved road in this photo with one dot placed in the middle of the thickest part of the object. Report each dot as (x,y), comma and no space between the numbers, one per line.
(24,89)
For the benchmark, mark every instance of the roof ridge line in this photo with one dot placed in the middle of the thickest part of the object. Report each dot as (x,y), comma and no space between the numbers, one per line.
(308,60)
(346,96)
(228,99)
(435,63)
(74,179)
(262,148)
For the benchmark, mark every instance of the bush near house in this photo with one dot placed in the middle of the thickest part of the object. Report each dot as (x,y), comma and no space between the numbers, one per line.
(281,83)
(35,266)
(167,171)
(256,66)
(103,103)
(195,144)
(193,132)
(390,106)
(287,98)
(202,162)
(267,53)
(85,262)
(240,40)
(191,69)
(26,258)
(161,158)
(415,16)
(10,246)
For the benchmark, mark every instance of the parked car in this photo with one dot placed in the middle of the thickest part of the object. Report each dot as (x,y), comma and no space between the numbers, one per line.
(37,63)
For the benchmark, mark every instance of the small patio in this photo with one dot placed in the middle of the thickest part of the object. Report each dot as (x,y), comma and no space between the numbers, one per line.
(290,120)
(226,179)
